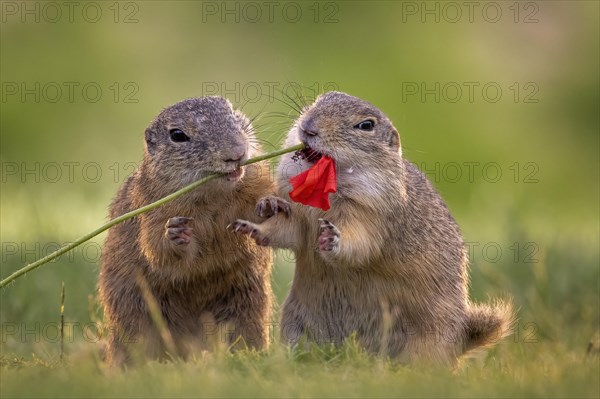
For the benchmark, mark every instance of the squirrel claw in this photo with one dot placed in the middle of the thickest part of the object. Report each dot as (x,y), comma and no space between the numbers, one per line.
(271,206)
(178,231)
(329,236)
(244,227)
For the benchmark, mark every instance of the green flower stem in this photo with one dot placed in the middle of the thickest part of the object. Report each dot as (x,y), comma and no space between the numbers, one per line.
(129,215)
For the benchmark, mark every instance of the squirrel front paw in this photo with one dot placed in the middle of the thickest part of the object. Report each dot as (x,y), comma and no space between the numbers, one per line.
(329,237)
(270,205)
(245,227)
(178,230)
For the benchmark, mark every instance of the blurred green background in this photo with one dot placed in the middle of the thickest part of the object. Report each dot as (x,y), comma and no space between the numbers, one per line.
(533,117)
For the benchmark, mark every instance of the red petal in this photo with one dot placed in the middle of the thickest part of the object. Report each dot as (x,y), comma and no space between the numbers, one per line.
(312,187)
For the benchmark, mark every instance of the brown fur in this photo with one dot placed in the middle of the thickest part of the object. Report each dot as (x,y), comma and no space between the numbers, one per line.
(389,262)
(215,287)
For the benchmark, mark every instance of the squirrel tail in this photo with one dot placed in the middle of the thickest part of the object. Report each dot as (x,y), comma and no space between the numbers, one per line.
(487,324)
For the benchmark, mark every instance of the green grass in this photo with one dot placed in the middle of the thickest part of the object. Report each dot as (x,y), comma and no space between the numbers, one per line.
(545,356)
(543,369)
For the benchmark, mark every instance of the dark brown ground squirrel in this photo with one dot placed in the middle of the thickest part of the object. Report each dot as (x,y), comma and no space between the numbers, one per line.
(200,275)
(387,261)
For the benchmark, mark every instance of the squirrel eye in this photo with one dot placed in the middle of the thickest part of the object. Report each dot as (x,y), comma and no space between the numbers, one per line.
(367,125)
(178,136)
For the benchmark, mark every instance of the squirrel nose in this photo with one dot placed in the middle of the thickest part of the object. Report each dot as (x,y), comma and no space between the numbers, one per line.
(309,128)
(235,154)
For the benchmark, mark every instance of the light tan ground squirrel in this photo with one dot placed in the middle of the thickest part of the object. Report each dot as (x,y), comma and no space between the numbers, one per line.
(201,277)
(387,261)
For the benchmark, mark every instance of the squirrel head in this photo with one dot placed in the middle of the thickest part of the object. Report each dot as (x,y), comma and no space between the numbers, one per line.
(347,129)
(197,137)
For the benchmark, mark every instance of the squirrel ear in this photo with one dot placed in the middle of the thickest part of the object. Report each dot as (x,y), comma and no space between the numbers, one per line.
(394,140)
(150,141)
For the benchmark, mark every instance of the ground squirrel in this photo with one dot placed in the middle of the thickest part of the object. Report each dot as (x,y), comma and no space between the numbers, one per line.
(202,278)
(387,261)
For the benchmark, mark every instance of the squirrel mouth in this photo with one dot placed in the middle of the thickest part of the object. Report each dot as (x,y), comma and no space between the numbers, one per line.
(234,175)
(308,154)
